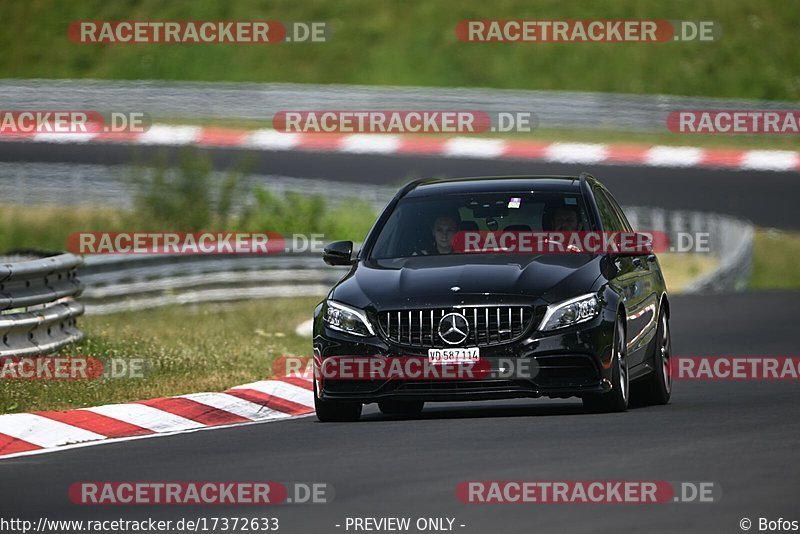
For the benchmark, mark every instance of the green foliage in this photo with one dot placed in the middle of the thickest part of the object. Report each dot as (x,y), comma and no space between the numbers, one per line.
(413,42)
(188,198)
(295,213)
(181,198)
(349,221)
(291,213)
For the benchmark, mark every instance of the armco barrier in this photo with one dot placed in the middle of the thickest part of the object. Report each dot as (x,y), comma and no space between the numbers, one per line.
(260,101)
(733,273)
(117,283)
(38,310)
(730,240)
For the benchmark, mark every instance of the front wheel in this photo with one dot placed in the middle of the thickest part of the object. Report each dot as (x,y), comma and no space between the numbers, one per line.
(615,400)
(656,388)
(336,412)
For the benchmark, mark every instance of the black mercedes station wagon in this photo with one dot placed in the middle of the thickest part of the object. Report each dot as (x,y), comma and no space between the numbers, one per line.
(593,325)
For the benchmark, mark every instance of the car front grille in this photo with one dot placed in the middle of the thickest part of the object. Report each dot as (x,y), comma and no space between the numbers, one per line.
(488,325)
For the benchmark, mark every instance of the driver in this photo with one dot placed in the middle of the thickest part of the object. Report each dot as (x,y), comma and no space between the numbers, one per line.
(443,229)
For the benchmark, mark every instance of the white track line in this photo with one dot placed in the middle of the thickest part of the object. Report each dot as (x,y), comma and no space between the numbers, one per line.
(160,134)
(469,147)
(42,431)
(370,144)
(146,417)
(271,140)
(283,390)
(65,137)
(577,152)
(770,160)
(235,405)
(474,148)
(673,156)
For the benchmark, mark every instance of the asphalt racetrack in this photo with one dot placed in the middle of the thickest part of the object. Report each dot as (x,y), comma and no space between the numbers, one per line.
(767,198)
(742,435)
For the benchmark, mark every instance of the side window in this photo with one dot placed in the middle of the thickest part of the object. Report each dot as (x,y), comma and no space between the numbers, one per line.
(608,216)
(618,210)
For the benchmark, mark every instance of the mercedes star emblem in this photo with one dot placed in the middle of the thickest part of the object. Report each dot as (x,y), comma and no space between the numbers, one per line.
(453,328)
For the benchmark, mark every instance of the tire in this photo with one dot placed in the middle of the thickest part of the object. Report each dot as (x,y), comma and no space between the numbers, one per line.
(617,399)
(656,388)
(394,407)
(336,412)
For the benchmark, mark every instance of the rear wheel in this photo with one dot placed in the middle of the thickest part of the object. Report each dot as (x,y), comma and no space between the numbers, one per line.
(615,400)
(656,388)
(336,412)
(394,407)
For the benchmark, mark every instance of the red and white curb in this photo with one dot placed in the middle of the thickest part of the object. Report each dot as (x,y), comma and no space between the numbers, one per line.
(462,147)
(265,400)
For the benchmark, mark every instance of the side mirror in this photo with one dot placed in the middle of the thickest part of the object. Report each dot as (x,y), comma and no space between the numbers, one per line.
(636,244)
(338,253)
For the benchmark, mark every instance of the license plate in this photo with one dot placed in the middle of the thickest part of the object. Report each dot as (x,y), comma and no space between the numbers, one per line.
(443,356)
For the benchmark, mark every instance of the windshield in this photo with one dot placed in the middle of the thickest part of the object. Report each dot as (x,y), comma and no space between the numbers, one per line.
(427,225)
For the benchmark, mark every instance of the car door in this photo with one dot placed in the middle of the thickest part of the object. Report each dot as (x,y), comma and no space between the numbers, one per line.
(633,281)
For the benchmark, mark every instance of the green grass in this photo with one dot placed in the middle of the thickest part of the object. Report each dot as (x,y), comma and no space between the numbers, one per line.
(186,348)
(776,260)
(45,227)
(680,269)
(413,42)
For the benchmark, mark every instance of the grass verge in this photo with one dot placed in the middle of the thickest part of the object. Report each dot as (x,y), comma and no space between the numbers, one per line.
(776,260)
(414,42)
(680,269)
(186,349)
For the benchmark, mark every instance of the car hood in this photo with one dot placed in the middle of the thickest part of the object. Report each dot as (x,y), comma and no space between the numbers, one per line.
(428,281)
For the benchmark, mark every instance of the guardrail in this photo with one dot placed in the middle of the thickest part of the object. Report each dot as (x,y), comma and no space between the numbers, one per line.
(126,283)
(729,239)
(553,109)
(38,310)
(733,273)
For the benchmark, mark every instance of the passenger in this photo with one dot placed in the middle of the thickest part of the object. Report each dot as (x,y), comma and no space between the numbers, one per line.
(565,219)
(562,219)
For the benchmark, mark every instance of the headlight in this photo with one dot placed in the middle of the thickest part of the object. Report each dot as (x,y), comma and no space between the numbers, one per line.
(571,312)
(346,319)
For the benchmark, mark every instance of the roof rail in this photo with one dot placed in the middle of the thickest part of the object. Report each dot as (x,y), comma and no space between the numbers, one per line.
(584,176)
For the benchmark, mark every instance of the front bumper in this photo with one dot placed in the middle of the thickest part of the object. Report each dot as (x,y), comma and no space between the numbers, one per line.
(575,361)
